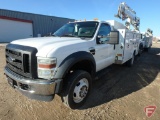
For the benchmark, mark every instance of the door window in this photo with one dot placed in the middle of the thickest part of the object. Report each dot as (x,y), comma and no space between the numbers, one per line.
(104,30)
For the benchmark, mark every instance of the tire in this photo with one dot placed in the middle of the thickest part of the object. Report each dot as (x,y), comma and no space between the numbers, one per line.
(149,48)
(131,61)
(140,50)
(76,89)
(146,49)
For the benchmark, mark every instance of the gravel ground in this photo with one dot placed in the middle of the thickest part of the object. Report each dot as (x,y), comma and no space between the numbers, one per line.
(120,93)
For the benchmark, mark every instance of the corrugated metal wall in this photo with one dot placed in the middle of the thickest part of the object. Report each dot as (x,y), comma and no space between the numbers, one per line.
(42,24)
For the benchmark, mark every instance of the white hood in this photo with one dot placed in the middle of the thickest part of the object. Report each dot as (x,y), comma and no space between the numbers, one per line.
(45,44)
(43,41)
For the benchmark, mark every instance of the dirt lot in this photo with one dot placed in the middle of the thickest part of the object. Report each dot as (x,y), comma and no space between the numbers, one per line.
(120,93)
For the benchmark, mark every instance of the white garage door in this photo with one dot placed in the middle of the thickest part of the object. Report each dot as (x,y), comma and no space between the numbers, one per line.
(12,30)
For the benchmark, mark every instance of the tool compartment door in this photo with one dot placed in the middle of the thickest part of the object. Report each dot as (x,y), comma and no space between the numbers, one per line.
(129,46)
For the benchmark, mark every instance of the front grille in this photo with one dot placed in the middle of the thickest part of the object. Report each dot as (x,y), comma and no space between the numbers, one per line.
(22,60)
(14,60)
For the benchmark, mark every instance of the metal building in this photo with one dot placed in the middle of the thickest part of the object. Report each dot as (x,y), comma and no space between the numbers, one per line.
(17,25)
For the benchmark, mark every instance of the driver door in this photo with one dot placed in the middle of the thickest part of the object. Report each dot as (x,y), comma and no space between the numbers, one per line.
(104,52)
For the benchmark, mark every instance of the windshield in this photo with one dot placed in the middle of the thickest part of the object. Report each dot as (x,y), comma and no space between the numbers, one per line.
(77,29)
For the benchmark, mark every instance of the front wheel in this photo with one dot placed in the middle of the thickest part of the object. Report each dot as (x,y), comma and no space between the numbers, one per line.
(76,89)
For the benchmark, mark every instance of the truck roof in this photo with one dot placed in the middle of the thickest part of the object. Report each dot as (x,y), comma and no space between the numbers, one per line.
(86,21)
(115,24)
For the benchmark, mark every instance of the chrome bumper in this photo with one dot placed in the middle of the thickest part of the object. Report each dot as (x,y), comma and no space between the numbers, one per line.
(35,89)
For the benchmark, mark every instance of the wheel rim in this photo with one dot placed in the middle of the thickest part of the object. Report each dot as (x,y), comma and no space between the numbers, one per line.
(80,90)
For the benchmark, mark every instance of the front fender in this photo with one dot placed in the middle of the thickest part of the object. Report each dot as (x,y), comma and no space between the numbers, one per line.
(71,60)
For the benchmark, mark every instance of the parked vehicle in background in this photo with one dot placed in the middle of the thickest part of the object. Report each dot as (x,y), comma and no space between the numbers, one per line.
(147,38)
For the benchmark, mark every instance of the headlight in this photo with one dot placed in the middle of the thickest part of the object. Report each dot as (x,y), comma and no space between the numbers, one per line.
(46,67)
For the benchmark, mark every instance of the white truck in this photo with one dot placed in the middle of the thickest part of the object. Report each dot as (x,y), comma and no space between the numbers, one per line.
(147,38)
(67,62)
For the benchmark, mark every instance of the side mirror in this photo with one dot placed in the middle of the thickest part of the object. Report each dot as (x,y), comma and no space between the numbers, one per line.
(113,37)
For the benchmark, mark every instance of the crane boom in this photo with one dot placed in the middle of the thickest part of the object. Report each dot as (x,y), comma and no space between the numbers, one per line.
(126,13)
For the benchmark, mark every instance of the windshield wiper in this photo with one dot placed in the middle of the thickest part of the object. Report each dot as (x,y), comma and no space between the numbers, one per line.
(68,35)
(55,35)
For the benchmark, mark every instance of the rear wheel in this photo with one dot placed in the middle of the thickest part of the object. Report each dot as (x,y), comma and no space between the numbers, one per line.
(76,89)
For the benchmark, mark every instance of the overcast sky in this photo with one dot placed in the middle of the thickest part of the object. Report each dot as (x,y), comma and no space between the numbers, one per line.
(147,10)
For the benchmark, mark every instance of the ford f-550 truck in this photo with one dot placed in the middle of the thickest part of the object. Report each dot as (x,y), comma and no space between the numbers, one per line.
(67,62)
